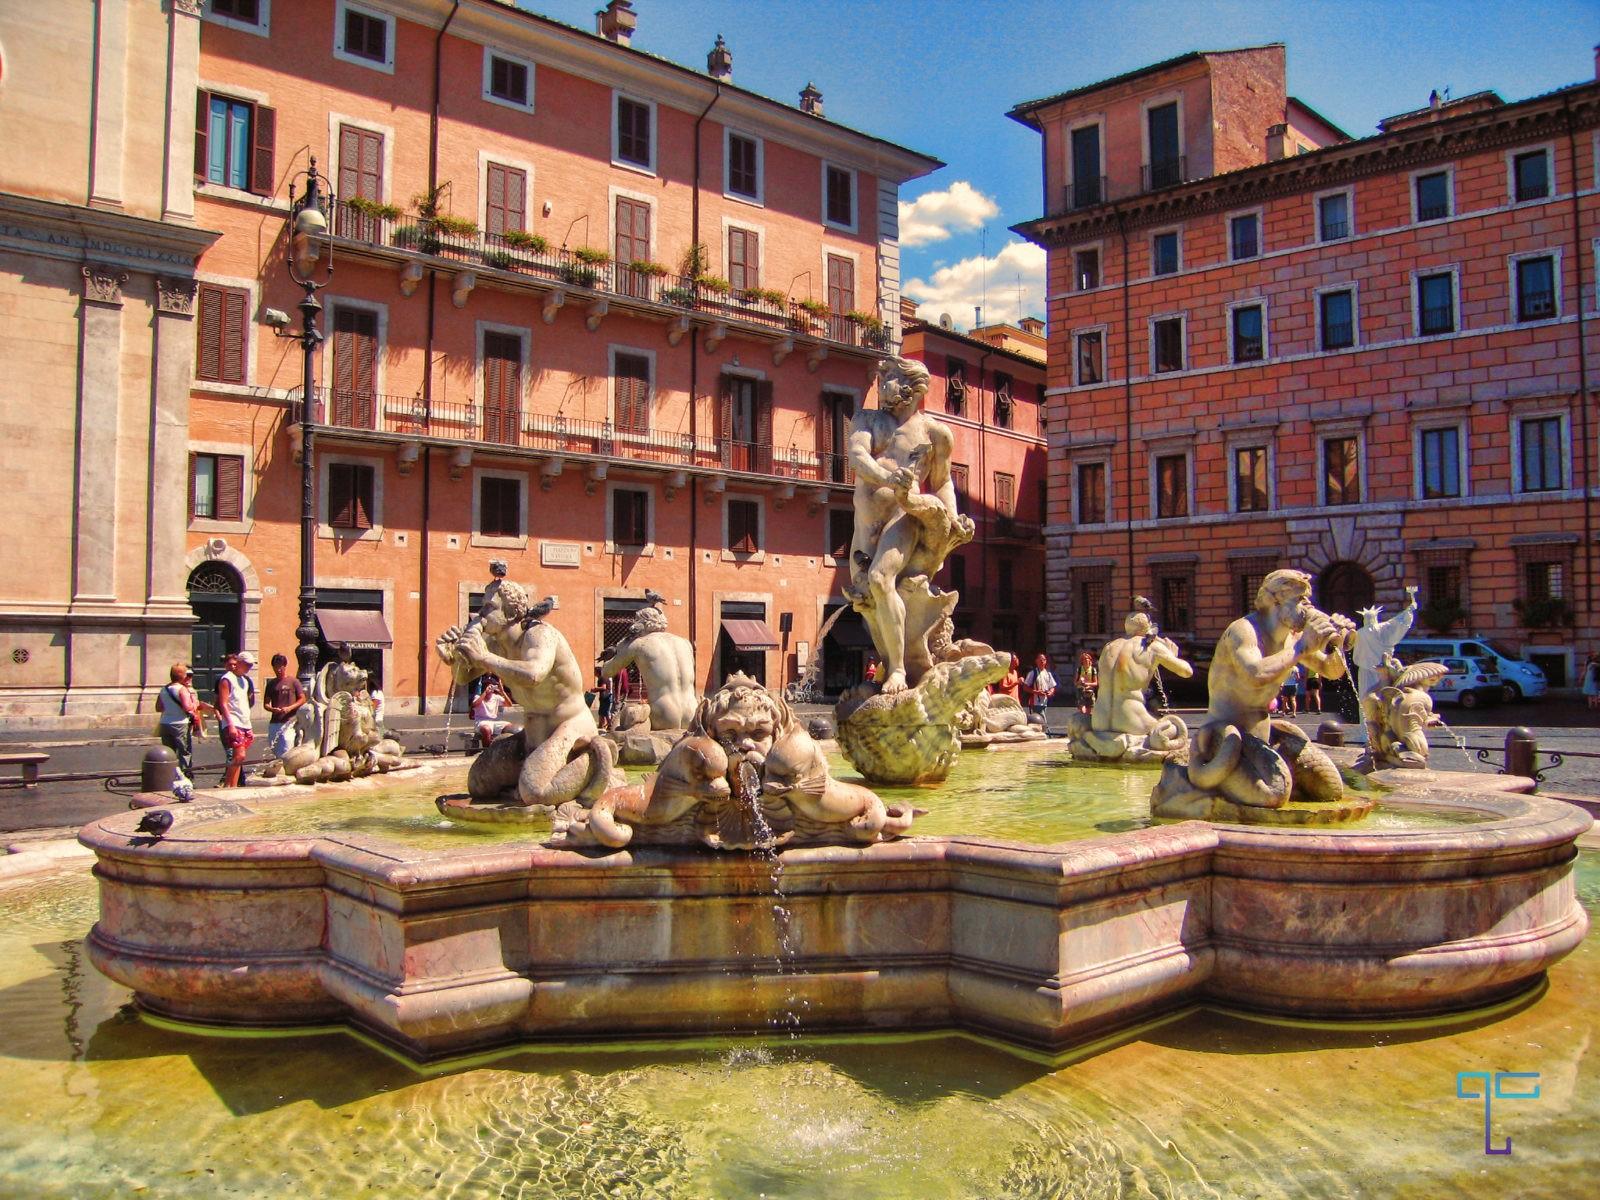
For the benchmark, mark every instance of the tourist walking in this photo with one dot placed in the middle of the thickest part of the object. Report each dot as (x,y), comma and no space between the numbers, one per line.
(282,697)
(1040,685)
(236,696)
(180,718)
(1088,682)
(1591,681)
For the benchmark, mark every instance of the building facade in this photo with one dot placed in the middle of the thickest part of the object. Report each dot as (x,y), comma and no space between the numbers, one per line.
(591,312)
(98,244)
(1273,345)
(988,387)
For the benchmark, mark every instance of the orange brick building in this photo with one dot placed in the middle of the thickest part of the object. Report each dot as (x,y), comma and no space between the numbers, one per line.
(988,386)
(1274,345)
(593,312)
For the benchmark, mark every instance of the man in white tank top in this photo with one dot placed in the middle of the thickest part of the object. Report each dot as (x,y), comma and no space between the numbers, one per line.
(234,695)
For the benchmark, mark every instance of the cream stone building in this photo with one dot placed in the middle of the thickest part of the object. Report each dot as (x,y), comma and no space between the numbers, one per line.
(97,253)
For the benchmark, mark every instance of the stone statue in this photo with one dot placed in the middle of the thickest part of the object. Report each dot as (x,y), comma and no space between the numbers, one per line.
(1241,764)
(992,719)
(906,524)
(338,730)
(558,755)
(745,775)
(665,662)
(1372,645)
(1398,714)
(1121,727)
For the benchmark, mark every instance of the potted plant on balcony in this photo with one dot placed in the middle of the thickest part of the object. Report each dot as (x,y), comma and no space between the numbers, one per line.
(521,239)
(678,295)
(1544,612)
(870,324)
(1442,615)
(810,315)
(502,260)
(764,298)
(643,266)
(376,209)
(696,261)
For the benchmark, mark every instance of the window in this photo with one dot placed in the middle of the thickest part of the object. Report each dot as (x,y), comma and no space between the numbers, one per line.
(507,81)
(1441,463)
(1166,160)
(1536,288)
(835,412)
(1543,580)
(224,314)
(1091,593)
(216,487)
(1250,479)
(251,15)
(955,386)
(505,200)
(1336,319)
(1172,486)
(958,480)
(502,387)
(1442,585)
(744,259)
(361,155)
(1164,253)
(1005,494)
(631,244)
(350,492)
(841,295)
(630,517)
(1086,269)
(1539,454)
(1003,388)
(1530,175)
(1436,306)
(634,145)
(838,196)
(1244,236)
(1167,354)
(499,506)
(1333,217)
(1433,195)
(1086,183)
(744,526)
(841,532)
(743,167)
(1091,493)
(1090,357)
(1341,470)
(630,378)
(1173,593)
(1249,342)
(355,368)
(234,143)
(744,423)
(364,36)
(1248,573)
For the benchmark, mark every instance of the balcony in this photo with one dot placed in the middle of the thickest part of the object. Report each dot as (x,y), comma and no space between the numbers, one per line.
(1086,193)
(1167,172)
(1009,529)
(554,436)
(365,229)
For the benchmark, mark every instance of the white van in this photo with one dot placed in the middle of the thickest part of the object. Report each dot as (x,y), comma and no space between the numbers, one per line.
(1523,680)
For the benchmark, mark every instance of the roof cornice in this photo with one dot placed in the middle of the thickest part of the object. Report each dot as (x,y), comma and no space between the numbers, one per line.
(1415,146)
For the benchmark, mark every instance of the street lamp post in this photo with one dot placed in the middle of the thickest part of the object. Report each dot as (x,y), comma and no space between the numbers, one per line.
(308,246)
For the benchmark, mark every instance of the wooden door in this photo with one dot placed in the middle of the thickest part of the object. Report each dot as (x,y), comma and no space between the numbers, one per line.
(841,296)
(355,368)
(502,387)
(631,383)
(633,245)
(743,259)
(505,201)
(360,177)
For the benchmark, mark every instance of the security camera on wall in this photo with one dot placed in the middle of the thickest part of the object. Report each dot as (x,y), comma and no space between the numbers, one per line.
(276,318)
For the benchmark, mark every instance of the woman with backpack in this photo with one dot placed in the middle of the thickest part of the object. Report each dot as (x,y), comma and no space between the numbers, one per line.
(180,718)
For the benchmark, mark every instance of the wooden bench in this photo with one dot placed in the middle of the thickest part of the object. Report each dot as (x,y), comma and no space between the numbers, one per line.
(29,761)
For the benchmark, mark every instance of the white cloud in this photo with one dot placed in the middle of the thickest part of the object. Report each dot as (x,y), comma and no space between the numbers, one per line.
(934,216)
(993,282)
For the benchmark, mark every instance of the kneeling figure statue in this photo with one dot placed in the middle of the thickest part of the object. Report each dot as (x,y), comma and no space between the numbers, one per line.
(1121,727)
(1242,765)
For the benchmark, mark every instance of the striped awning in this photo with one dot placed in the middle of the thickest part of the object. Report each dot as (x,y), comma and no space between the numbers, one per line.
(749,634)
(362,628)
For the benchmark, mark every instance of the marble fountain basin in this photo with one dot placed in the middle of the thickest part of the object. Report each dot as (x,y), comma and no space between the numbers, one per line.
(444,951)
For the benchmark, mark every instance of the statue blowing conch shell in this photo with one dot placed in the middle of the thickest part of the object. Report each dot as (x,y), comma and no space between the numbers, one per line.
(745,776)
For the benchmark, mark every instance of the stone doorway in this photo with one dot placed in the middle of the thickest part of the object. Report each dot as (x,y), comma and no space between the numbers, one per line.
(216,594)
(1345,587)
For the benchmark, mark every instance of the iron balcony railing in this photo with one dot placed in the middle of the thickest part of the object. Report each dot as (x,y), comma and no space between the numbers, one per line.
(1167,172)
(1086,193)
(517,427)
(646,282)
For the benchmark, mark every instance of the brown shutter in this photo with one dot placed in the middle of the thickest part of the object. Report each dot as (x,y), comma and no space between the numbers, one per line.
(744,523)
(264,127)
(494,200)
(724,429)
(208,359)
(763,448)
(339,495)
(516,199)
(230,487)
(841,285)
(632,386)
(361,488)
(192,457)
(825,419)
(202,131)
(502,387)
(743,257)
(633,231)
(349,162)
(235,301)
(1005,494)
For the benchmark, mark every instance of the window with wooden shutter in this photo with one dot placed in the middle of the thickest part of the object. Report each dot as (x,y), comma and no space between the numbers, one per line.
(744,427)
(744,171)
(1005,494)
(230,487)
(763,461)
(499,507)
(958,480)
(264,138)
(840,202)
(360,177)
(355,368)
(502,387)
(743,259)
(633,132)
(220,337)
(744,526)
(631,390)
(632,245)
(841,531)
(955,386)
(505,207)
(1003,396)
(841,295)
(833,435)
(630,517)
(350,491)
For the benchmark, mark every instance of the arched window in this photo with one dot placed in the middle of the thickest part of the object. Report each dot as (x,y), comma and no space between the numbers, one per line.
(1345,587)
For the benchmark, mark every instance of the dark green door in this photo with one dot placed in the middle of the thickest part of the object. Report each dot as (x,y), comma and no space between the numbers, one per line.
(215,595)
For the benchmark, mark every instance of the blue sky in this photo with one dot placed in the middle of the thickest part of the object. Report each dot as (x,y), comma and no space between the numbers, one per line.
(939,75)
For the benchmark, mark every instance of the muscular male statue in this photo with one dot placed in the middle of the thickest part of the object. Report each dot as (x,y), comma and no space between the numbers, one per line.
(665,662)
(901,457)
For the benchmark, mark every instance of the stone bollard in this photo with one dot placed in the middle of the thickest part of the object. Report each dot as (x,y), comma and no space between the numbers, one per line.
(159,770)
(1522,752)
(1330,733)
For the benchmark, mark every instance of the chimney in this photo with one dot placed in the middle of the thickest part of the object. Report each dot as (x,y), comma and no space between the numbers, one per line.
(616,22)
(811,100)
(1277,135)
(719,63)
(977,317)
(1597,62)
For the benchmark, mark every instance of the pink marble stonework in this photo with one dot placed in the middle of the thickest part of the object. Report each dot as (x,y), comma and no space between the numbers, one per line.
(443,952)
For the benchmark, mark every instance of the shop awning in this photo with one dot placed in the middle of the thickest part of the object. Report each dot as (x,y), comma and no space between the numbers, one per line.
(363,628)
(851,635)
(749,634)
